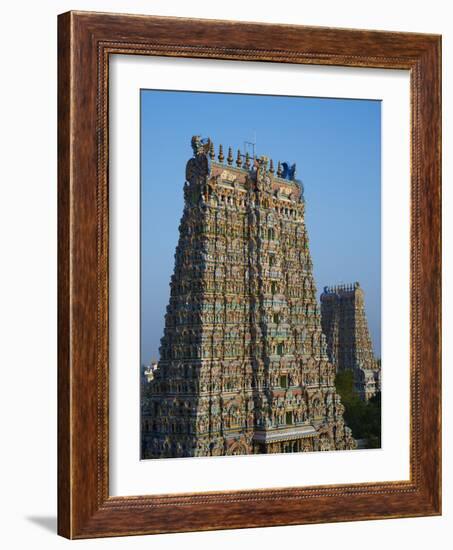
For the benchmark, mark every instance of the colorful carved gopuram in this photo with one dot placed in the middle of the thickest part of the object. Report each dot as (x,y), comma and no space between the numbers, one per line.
(349,344)
(243,362)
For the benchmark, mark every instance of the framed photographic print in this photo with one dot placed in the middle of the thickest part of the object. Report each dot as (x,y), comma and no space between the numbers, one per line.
(249,275)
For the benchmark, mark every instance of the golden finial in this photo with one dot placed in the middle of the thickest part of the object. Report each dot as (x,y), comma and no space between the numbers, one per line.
(221,157)
(211,150)
(247,160)
(279,169)
(239,159)
(230,156)
(271,167)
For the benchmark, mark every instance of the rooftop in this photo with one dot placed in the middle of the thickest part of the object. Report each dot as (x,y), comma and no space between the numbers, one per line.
(244,162)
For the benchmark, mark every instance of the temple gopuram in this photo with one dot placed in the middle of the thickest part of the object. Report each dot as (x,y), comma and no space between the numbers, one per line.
(243,365)
(349,344)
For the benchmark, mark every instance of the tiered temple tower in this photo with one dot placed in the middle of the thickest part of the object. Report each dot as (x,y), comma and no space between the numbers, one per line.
(348,340)
(243,362)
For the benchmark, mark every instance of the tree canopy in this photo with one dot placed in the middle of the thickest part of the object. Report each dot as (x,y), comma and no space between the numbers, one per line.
(363,417)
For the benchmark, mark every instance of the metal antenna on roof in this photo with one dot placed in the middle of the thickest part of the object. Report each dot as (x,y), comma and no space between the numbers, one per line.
(250,146)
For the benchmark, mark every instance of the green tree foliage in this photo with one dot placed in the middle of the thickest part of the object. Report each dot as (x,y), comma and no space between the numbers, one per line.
(364,418)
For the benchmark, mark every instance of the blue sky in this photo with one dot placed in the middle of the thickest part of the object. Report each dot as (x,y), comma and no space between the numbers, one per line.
(336,144)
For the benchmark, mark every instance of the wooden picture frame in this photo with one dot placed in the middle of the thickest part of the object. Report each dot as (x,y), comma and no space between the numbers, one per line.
(85,42)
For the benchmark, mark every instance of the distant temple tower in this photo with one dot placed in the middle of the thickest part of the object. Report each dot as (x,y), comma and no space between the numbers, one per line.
(243,362)
(348,339)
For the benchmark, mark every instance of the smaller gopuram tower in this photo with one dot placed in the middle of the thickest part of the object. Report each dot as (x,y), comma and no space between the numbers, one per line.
(349,345)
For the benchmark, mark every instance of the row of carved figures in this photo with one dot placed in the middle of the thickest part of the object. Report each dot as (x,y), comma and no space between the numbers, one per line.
(247,163)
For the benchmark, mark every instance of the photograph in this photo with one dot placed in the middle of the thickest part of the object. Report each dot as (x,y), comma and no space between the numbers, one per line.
(260,290)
